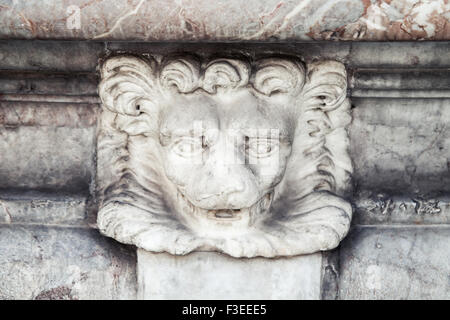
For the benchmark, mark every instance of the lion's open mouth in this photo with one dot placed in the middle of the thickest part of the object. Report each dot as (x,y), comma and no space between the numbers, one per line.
(259,206)
(225,214)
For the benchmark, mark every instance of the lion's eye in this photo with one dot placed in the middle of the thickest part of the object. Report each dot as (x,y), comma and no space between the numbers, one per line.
(189,146)
(261,147)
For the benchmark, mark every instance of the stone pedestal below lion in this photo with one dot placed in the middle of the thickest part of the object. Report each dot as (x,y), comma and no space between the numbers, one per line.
(211,275)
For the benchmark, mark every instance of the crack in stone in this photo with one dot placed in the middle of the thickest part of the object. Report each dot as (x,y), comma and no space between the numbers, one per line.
(8,218)
(119,21)
(286,20)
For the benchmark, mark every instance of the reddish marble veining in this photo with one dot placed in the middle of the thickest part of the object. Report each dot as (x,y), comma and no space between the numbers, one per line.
(233,20)
(396,20)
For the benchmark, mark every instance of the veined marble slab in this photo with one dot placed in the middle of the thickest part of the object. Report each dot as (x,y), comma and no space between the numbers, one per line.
(235,20)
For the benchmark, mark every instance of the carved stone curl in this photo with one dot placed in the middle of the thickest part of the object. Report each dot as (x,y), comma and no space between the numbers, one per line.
(248,158)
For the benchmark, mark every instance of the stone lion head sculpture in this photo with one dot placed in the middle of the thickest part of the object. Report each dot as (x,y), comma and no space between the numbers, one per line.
(248,158)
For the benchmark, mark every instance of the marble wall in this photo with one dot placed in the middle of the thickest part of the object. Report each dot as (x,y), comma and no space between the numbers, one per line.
(206,20)
(49,246)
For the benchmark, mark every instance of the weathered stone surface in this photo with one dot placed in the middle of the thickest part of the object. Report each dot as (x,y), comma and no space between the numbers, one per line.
(400,83)
(226,20)
(412,79)
(386,209)
(82,57)
(36,114)
(209,275)
(64,263)
(395,263)
(401,145)
(330,275)
(42,208)
(405,94)
(397,54)
(72,84)
(399,148)
(399,245)
(49,55)
(47,157)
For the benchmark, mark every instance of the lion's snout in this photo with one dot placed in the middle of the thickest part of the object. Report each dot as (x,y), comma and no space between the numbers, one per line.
(232,188)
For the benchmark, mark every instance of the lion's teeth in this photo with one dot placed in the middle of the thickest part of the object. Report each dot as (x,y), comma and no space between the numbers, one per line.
(223,214)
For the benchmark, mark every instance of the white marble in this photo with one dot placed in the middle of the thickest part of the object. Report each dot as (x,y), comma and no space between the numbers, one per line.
(243,157)
(210,275)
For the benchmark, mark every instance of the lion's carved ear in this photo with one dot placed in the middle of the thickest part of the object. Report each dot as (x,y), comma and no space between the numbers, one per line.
(128,84)
(326,85)
(279,76)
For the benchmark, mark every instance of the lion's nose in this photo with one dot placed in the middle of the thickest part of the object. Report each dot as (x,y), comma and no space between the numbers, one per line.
(224,182)
(224,189)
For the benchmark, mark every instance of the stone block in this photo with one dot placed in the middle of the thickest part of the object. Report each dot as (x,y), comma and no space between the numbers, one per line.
(210,275)
(47,158)
(42,208)
(64,263)
(67,84)
(49,55)
(401,145)
(395,263)
(399,54)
